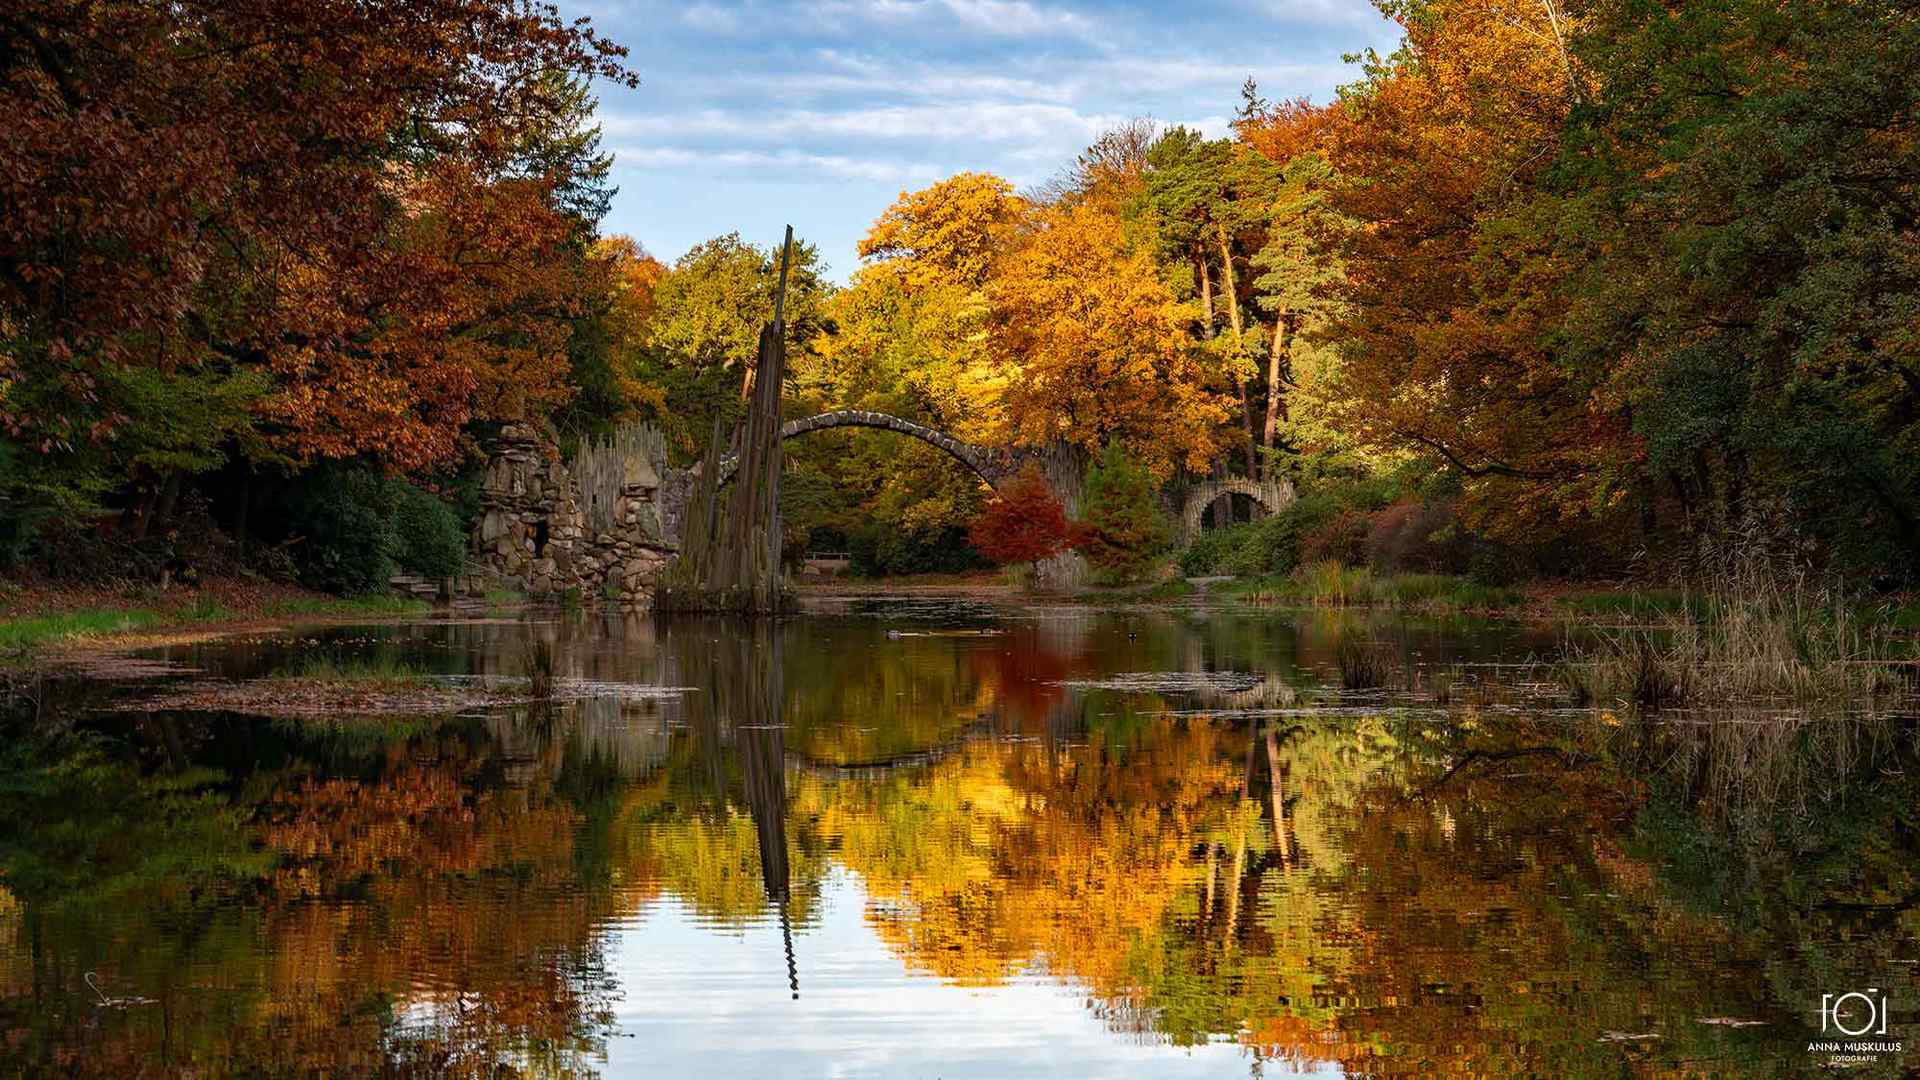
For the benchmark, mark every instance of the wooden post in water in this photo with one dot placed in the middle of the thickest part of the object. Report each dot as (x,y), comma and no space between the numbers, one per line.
(731,562)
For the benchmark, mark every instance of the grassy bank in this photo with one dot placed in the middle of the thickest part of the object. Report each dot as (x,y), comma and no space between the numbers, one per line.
(35,618)
(1331,584)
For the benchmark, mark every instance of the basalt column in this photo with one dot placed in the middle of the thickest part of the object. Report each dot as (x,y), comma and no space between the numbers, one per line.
(730,550)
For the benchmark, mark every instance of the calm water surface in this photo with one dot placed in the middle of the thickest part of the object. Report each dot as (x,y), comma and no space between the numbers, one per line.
(941,839)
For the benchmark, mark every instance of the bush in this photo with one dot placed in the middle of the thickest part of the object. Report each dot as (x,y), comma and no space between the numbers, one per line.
(877,550)
(1214,549)
(1342,538)
(428,538)
(1416,535)
(343,516)
(1121,530)
(350,525)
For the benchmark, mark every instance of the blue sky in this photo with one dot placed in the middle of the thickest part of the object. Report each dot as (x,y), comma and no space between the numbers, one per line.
(820,112)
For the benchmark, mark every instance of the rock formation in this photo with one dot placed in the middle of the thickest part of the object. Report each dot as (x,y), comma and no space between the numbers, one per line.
(539,532)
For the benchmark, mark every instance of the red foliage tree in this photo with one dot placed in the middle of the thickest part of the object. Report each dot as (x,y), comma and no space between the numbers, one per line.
(1022,523)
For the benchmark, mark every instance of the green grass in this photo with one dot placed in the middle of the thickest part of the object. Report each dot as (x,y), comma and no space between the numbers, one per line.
(37,630)
(1638,603)
(1331,584)
(1903,616)
(506,598)
(371,604)
(1170,589)
(328,667)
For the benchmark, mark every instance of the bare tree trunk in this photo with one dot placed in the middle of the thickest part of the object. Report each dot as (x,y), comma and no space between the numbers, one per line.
(1560,41)
(1227,286)
(169,498)
(1276,378)
(1206,296)
(1230,290)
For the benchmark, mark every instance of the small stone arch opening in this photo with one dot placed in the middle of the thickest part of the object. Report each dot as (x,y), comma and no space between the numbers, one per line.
(1262,497)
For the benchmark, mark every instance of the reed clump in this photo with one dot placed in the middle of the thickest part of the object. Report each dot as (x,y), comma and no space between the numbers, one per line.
(1361,666)
(536,661)
(1766,629)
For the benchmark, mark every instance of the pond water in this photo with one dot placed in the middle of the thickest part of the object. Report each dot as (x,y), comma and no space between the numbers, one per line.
(943,838)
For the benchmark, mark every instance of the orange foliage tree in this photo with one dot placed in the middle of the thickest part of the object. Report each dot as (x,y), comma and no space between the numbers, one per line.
(1022,523)
(1452,287)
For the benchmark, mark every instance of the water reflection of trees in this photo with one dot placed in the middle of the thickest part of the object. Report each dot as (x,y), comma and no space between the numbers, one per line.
(411,901)
(1489,895)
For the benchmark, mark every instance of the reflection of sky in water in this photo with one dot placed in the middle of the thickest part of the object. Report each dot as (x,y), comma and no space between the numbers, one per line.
(703,1000)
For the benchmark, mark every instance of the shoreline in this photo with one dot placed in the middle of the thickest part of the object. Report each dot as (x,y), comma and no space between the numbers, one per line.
(45,627)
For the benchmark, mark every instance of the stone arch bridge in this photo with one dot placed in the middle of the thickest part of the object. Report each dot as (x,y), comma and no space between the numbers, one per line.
(996,464)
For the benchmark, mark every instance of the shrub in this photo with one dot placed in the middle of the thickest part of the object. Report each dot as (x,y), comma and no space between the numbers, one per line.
(1416,535)
(427,538)
(350,525)
(343,516)
(875,549)
(1022,523)
(1214,549)
(1341,538)
(1122,530)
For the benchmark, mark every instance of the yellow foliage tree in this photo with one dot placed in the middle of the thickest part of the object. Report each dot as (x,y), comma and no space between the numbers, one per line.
(1094,347)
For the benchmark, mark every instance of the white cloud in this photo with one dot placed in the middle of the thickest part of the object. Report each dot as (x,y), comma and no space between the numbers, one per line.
(1321,12)
(979,122)
(716,20)
(1002,18)
(840,76)
(679,157)
(1016,17)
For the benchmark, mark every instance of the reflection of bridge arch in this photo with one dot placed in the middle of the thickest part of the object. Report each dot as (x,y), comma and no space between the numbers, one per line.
(1270,496)
(880,770)
(990,463)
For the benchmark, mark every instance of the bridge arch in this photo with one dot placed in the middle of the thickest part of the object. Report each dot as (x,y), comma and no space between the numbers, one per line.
(992,464)
(996,465)
(1271,496)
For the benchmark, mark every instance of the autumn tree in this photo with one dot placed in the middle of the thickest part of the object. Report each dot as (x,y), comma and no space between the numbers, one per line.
(1209,201)
(1298,285)
(693,363)
(1094,349)
(329,211)
(1023,522)
(1121,529)
(1450,298)
(608,346)
(1737,213)
(910,339)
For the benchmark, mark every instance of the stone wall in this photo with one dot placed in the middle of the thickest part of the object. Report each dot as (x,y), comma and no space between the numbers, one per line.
(535,533)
